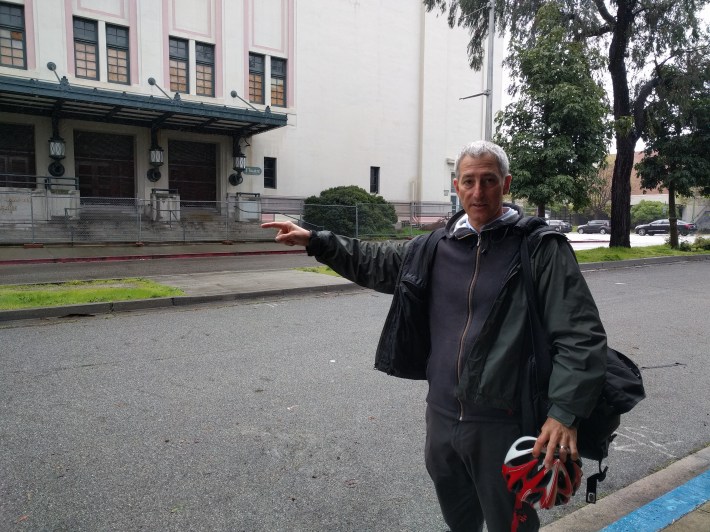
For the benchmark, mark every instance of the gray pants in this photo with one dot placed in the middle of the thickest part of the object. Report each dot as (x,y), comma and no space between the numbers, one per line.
(464,459)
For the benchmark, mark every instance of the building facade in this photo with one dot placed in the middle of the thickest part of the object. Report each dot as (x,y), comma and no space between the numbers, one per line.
(203,100)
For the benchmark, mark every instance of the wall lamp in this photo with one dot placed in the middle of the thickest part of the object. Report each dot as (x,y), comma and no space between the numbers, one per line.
(57,150)
(153,83)
(53,67)
(156,157)
(239,163)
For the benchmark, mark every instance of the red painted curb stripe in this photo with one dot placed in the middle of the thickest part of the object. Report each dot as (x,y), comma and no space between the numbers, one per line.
(109,258)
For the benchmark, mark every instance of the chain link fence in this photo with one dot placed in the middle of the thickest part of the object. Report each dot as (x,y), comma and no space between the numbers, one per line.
(56,215)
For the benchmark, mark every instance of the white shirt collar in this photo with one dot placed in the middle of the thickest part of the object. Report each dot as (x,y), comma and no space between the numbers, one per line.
(508,213)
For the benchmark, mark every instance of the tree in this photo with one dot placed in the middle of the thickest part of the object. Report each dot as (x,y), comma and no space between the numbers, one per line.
(638,35)
(555,131)
(678,135)
(349,211)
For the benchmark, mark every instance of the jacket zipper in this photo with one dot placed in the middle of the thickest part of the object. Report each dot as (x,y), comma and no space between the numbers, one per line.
(459,357)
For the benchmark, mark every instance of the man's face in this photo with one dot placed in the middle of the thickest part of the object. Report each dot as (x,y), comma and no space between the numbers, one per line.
(480,188)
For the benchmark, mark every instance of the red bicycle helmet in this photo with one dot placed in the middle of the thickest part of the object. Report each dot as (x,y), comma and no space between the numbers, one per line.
(527,478)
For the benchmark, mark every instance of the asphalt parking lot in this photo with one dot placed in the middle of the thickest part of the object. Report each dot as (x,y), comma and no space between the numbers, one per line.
(590,241)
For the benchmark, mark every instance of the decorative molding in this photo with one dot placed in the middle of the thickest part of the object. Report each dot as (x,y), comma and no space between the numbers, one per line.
(284,16)
(184,21)
(116,9)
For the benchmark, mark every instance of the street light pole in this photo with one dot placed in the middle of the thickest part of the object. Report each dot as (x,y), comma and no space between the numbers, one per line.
(489,81)
(488,93)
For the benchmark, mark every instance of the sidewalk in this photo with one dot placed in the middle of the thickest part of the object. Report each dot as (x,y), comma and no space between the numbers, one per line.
(198,287)
(674,499)
(206,287)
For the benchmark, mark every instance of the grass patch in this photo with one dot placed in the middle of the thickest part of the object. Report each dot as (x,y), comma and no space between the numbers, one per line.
(601,254)
(77,292)
(607,254)
(319,269)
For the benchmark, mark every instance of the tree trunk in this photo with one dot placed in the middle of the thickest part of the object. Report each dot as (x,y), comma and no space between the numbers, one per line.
(621,192)
(626,133)
(672,215)
(541,210)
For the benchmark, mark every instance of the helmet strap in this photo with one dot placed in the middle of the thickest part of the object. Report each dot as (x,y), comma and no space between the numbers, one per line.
(592,483)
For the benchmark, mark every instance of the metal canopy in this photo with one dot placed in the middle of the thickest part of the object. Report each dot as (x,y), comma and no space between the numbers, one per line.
(35,97)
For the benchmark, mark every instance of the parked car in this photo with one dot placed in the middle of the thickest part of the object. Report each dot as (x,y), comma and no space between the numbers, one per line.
(560,226)
(664,226)
(595,226)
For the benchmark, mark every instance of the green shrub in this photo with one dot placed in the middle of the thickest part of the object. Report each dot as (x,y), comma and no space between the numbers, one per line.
(647,211)
(701,243)
(349,211)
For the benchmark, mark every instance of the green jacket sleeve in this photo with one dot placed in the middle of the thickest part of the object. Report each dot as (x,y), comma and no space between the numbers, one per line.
(374,265)
(576,334)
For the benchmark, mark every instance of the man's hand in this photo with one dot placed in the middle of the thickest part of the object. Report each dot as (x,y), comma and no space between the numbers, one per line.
(289,233)
(554,435)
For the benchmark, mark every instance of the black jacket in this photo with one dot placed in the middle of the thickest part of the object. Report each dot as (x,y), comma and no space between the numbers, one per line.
(489,372)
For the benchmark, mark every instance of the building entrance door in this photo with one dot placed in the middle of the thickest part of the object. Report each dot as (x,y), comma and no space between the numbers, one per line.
(193,171)
(104,165)
(17,156)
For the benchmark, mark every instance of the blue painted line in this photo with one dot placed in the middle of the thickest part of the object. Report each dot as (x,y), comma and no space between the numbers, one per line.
(658,514)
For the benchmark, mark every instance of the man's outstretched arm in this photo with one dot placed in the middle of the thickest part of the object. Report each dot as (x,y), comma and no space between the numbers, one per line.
(373,265)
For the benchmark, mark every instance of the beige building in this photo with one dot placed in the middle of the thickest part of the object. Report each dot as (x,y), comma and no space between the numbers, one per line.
(171,105)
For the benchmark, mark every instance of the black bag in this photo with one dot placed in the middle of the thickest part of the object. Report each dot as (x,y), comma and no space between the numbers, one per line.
(622,390)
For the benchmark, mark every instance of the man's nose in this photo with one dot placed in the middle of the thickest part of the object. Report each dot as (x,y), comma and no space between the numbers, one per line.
(476,188)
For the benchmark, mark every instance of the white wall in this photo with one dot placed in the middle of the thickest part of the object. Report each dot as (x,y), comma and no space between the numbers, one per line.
(377,84)
(372,83)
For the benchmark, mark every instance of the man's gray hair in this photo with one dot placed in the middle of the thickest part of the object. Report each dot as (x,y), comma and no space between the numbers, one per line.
(479,148)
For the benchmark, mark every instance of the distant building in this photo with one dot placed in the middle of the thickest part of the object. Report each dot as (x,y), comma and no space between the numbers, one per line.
(123,99)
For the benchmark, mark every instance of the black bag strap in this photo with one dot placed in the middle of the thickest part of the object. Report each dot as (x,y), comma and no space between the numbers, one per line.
(541,349)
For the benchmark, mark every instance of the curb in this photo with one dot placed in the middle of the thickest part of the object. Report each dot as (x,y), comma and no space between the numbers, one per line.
(92,309)
(152,256)
(623,502)
(636,263)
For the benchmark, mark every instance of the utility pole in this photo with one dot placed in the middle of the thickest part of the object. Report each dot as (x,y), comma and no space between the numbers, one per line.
(488,93)
(489,81)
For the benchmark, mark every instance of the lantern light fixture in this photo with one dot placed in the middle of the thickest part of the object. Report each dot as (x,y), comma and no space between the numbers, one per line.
(239,163)
(156,157)
(57,150)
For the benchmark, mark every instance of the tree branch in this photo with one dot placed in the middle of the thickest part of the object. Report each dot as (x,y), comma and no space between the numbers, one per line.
(597,31)
(639,105)
(604,12)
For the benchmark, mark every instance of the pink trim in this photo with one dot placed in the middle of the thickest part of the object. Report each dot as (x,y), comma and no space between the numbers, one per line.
(122,13)
(68,21)
(286,24)
(30,35)
(166,47)
(210,20)
(291,52)
(133,36)
(219,44)
(247,39)
(288,46)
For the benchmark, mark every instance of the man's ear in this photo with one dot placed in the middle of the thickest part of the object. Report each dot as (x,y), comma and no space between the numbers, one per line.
(456,185)
(506,184)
